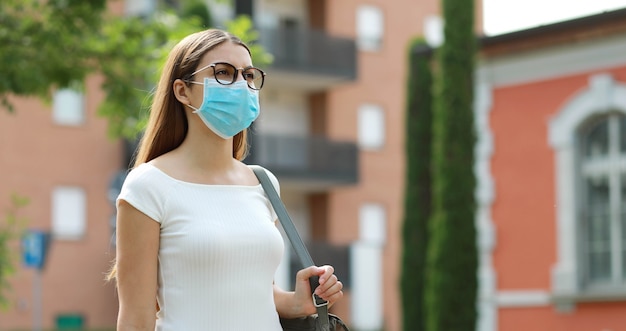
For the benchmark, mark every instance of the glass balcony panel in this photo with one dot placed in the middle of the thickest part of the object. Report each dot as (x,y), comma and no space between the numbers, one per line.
(314,160)
(309,58)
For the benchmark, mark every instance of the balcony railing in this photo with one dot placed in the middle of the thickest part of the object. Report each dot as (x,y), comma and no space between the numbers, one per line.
(312,162)
(311,52)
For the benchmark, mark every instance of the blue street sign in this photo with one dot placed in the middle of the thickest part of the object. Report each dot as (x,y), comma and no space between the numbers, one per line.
(34,248)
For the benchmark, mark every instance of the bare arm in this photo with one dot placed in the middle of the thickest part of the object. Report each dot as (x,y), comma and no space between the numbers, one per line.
(137,251)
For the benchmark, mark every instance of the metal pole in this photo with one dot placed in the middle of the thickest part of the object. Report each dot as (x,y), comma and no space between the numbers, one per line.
(37,304)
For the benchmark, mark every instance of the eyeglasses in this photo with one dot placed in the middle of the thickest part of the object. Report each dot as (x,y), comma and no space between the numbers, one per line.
(226,74)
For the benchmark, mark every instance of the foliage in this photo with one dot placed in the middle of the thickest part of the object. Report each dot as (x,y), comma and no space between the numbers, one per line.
(198,9)
(129,60)
(42,44)
(451,290)
(10,229)
(59,43)
(417,202)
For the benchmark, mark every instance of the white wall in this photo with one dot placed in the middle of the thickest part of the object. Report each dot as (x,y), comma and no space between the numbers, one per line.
(283,113)
(366,268)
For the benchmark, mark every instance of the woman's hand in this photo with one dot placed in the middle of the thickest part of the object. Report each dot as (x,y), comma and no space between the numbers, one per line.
(300,303)
(330,288)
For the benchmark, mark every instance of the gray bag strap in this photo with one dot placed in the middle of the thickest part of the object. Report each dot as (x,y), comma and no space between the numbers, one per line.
(296,241)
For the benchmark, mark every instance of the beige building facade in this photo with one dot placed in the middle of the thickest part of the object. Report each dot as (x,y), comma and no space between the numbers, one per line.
(63,163)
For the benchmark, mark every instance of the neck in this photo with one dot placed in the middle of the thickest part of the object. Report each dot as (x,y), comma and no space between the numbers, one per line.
(205,150)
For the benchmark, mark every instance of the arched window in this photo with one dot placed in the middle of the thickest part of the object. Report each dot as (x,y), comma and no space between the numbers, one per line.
(602,202)
(588,136)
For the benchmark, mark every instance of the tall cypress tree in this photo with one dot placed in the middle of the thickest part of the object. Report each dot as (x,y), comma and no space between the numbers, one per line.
(451,290)
(417,203)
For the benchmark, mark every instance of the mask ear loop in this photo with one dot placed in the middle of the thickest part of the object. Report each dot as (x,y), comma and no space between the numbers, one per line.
(195,110)
(204,92)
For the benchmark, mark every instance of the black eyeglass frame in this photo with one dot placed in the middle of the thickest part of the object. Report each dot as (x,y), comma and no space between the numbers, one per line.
(237,71)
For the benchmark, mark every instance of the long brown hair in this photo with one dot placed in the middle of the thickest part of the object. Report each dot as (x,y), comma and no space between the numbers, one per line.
(167,126)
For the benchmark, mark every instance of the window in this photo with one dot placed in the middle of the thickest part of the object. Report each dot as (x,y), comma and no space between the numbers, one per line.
(69,209)
(602,173)
(371,127)
(68,107)
(372,224)
(366,265)
(369,28)
(588,139)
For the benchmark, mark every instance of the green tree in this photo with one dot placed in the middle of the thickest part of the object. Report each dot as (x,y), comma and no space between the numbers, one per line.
(197,8)
(41,44)
(53,44)
(417,202)
(451,290)
(10,229)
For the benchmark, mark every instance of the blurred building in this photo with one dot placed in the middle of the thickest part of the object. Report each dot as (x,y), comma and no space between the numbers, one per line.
(551,167)
(551,123)
(331,130)
(59,157)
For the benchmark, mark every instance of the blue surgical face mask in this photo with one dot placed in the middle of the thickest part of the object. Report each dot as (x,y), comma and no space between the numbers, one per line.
(228,109)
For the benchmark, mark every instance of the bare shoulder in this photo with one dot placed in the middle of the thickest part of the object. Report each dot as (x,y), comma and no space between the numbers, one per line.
(271,176)
(167,161)
(247,176)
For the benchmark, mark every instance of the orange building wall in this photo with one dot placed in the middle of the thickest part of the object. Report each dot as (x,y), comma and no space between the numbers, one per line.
(523,168)
(524,209)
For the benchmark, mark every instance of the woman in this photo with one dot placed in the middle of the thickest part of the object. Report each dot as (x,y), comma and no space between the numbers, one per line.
(194,227)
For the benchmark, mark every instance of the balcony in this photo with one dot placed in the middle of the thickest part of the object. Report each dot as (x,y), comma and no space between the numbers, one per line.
(308,59)
(310,164)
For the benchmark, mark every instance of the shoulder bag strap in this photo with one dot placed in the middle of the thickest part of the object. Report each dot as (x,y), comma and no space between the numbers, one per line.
(296,241)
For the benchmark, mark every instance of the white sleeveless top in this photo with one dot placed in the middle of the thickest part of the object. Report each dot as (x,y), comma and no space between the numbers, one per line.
(219,250)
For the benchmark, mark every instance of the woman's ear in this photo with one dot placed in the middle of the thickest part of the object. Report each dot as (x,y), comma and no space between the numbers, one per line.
(181,92)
